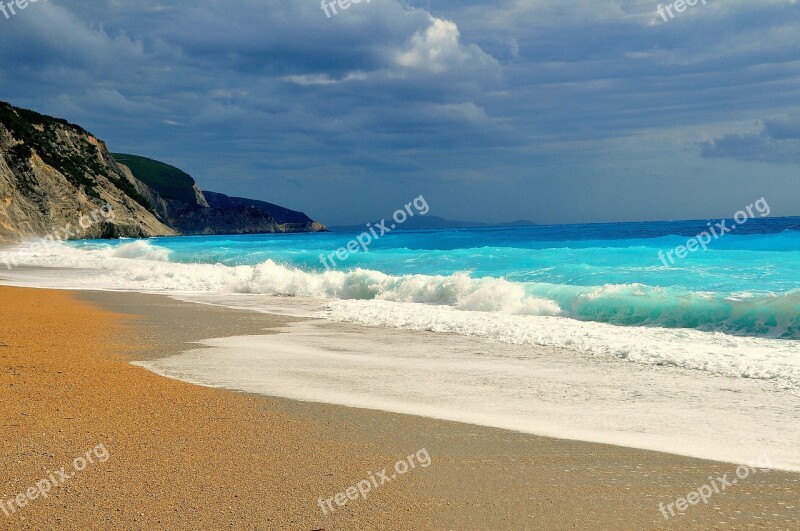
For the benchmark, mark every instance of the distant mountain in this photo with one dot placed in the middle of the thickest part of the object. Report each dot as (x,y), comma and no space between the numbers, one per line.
(428,222)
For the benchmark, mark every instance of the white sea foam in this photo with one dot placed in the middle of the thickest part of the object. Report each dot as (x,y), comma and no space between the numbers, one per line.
(490,308)
(496,356)
(741,357)
(139,249)
(537,390)
(141,265)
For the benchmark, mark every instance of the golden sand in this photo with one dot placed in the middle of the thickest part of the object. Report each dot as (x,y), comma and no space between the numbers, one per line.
(181,456)
(188,457)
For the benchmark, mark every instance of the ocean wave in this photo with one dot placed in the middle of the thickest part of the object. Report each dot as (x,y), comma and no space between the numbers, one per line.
(691,330)
(718,353)
(143,265)
(764,314)
(140,249)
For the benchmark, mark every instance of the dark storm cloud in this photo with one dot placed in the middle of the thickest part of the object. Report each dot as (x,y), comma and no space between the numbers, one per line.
(783,128)
(777,141)
(504,109)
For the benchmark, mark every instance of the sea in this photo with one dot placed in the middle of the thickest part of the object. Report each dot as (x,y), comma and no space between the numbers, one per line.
(576,331)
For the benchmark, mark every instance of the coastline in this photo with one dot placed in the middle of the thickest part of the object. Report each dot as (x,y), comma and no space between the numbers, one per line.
(180,451)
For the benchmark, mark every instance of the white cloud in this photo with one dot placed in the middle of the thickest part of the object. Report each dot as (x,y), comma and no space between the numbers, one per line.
(323,79)
(438,49)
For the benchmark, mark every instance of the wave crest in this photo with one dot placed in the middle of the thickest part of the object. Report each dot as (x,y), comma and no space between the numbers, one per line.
(141,265)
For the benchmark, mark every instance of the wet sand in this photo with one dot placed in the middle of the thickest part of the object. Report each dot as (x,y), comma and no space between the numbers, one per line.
(183,456)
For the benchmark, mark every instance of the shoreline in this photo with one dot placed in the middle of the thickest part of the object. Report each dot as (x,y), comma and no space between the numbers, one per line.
(226,324)
(643,386)
(573,388)
(478,476)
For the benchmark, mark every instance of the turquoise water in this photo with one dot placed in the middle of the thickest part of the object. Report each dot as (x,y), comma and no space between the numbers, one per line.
(577,332)
(746,283)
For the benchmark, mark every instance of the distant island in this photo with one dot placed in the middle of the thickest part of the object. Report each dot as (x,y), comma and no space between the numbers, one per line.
(429,222)
(52,171)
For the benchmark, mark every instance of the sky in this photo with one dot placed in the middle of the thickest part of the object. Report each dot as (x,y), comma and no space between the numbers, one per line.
(547,110)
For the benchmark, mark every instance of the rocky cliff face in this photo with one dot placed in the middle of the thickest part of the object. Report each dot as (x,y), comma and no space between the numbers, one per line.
(53,172)
(191,211)
(193,219)
(58,180)
(281,214)
(286,219)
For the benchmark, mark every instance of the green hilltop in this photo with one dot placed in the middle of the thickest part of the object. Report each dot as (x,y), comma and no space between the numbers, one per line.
(169,181)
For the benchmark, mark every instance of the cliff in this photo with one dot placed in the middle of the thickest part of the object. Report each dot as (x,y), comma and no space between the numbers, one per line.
(191,211)
(53,172)
(288,220)
(57,179)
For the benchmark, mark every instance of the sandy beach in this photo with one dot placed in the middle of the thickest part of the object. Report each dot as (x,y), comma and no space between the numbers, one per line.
(180,456)
(502,265)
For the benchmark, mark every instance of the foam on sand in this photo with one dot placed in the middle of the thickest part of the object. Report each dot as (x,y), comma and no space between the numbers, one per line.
(536,390)
(490,308)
